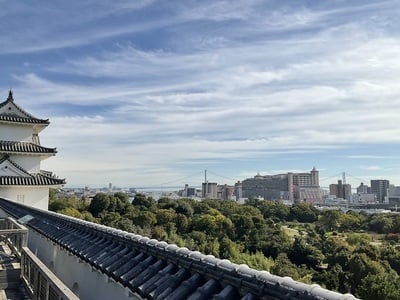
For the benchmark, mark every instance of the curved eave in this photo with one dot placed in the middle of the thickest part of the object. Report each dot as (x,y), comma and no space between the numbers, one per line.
(8,119)
(41,155)
(38,180)
(12,147)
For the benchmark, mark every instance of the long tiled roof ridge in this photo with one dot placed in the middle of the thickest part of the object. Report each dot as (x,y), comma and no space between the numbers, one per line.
(25,147)
(17,119)
(37,179)
(152,268)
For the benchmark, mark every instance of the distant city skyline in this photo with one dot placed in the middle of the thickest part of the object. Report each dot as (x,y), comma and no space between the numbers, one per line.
(221,180)
(144,92)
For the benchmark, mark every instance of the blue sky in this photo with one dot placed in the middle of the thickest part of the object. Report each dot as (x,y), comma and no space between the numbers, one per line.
(143,93)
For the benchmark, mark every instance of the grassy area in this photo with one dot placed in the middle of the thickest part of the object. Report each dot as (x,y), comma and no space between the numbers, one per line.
(291,232)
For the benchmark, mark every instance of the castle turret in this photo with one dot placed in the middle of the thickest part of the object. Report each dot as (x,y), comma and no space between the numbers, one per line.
(21,178)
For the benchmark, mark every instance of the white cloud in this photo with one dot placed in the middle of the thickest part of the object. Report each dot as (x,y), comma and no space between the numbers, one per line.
(371,168)
(222,82)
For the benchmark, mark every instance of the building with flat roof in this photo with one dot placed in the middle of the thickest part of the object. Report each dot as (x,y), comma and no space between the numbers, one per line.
(292,187)
(380,188)
(209,190)
(340,190)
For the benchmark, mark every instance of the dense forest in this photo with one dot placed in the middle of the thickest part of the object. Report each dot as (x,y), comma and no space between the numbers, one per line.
(347,252)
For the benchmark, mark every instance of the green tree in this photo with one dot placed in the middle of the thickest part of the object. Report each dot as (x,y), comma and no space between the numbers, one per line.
(380,223)
(304,212)
(350,221)
(124,224)
(274,241)
(88,217)
(303,252)
(257,260)
(182,223)
(329,220)
(165,216)
(392,255)
(52,194)
(159,233)
(58,205)
(70,211)
(205,223)
(199,240)
(228,249)
(284,267)
(337,251)
(142,200)
(327,279)
(380,286)
(184,207)
(110,218)
(145,219)
(243,226)
(274,209)
(360,266)
(99,204)
(358,239)
(166,203)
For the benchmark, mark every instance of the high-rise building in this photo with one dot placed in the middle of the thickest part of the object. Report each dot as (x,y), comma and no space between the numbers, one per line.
(394,194)
(209,190)
(380,188)
(340,190)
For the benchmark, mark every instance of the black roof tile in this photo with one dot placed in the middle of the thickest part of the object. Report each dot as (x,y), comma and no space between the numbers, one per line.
(37,179)
(41,178)
(146,275)
(206,291)
(20,116)
(24,147)
(17,119)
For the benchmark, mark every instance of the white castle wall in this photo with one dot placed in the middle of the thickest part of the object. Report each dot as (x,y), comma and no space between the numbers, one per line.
(31,163)
(85,282)
(16,133)
(36,196)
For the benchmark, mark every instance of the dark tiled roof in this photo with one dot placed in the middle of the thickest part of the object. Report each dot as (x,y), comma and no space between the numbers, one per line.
(17,119)
(10,146)
(157,270)
(37,179)
(24,116)
(42,178)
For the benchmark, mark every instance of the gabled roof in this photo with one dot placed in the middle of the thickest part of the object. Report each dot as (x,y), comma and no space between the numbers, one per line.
(16,175)
(11,112)
(24,147)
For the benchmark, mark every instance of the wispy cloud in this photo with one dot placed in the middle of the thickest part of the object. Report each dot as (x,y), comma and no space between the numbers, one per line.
(371,168)
(168,86)
(371,157)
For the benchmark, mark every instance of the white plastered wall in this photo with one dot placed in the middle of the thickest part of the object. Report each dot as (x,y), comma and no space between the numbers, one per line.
(36,196)
(16,133)
(30,163)
(73,272)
